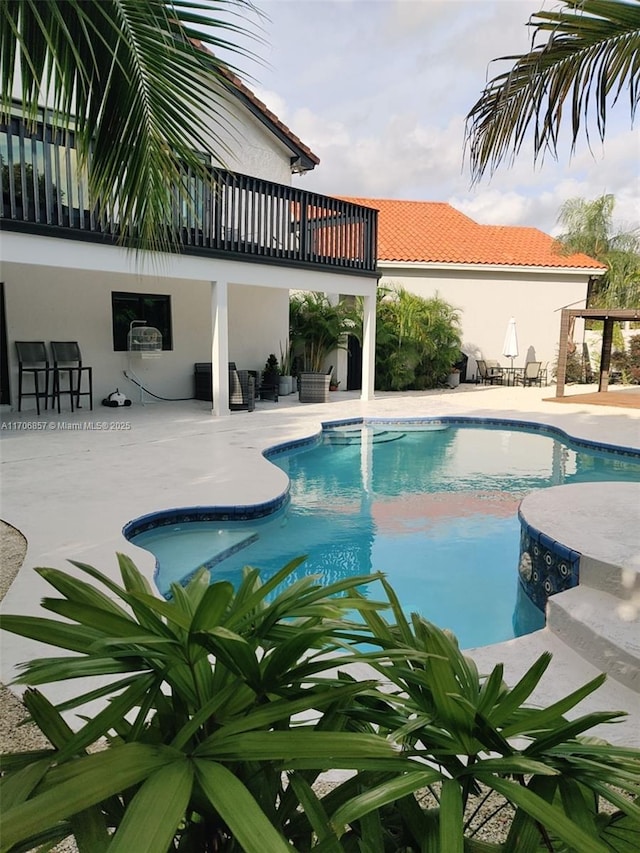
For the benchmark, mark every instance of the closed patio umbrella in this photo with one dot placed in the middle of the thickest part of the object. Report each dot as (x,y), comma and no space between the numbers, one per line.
(510,348)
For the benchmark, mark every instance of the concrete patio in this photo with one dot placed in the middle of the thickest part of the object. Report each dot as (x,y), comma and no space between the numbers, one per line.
(70,482)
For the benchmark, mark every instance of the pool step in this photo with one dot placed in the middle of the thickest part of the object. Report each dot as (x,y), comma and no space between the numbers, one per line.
(622,582)
(603,628)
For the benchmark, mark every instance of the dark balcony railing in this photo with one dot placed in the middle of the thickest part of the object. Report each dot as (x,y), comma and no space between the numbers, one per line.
(233,215)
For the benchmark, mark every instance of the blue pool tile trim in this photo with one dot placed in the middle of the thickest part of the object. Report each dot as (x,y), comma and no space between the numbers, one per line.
(546,567)
(288,446)
(184,515)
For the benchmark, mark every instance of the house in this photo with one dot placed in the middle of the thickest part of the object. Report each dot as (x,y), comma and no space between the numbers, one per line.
(489,272)
(222,296)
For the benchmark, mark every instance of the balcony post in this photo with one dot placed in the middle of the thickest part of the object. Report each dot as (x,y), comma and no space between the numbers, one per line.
(368,346)
(220,348)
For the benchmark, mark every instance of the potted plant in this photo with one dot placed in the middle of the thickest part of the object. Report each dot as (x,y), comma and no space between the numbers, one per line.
(453,379)
(286,379)
(318,328)
(271,377)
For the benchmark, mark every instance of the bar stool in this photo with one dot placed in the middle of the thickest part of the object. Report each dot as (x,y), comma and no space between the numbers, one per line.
(67,359)
(33,360)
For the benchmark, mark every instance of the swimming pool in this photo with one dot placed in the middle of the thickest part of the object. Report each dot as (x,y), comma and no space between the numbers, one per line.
(431,504)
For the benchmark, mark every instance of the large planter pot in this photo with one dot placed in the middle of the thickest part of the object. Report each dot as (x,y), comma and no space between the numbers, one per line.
(284,385)
(314,387)
(453,380)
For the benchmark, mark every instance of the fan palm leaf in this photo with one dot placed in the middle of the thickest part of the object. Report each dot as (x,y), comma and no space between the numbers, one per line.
(590,56)
(140,94)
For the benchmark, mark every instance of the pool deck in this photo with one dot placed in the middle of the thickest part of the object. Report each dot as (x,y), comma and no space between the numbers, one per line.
(70,483)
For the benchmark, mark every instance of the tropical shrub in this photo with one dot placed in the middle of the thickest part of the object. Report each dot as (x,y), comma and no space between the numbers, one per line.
(417,340)
(628,361)
(574,370)
(215,694)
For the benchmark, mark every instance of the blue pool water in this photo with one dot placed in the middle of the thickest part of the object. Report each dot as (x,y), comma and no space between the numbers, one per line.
(433,506)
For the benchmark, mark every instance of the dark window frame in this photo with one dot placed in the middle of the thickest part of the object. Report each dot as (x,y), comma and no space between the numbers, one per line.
(160,316)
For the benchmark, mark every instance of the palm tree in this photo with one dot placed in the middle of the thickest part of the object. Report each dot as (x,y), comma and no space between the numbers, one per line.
(590,56)
(132,80)
(589,228)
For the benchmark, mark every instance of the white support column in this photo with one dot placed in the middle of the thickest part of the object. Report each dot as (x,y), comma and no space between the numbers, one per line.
(220,348)
(368,347)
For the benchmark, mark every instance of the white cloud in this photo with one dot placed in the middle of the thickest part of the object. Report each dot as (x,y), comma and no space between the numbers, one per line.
(492,207)
(381,95)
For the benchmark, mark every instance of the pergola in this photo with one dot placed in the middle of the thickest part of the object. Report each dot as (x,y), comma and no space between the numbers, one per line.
(609,317)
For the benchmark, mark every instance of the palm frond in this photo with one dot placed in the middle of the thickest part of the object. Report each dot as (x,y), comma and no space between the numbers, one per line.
(590,55)
(142,96)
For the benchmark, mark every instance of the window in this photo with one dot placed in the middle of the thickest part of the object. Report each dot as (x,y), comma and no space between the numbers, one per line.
(156,310)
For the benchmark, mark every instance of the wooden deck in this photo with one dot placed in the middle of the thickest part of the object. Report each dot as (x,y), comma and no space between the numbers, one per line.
(627,399)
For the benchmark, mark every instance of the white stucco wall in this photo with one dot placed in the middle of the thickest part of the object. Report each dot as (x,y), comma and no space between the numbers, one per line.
(258,324)
(487,299)
(253,150)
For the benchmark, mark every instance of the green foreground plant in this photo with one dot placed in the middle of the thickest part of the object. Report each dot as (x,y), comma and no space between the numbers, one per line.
(225,706)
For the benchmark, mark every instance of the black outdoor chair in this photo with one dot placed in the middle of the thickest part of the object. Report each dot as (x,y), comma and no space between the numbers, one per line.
(33,361)
(68,368)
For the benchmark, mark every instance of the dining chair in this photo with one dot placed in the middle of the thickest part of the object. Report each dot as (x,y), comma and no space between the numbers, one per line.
(532,374)
(489,372)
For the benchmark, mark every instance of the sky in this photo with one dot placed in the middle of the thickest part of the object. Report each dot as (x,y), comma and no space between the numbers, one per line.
(379,90)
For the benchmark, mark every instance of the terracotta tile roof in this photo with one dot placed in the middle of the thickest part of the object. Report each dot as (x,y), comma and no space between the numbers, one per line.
(435,232)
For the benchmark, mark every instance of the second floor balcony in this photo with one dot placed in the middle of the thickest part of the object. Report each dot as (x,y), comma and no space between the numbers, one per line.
(231,216)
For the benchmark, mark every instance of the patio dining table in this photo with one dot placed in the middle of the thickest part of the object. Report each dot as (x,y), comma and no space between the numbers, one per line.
(510,373)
